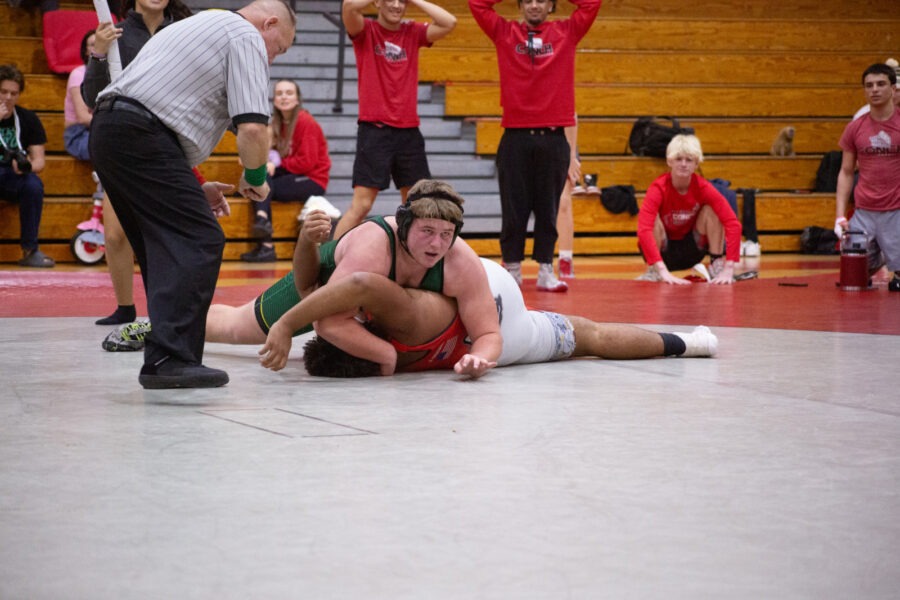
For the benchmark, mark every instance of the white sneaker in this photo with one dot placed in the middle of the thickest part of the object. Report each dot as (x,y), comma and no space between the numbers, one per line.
(651,274)
(515,269)
(703,271)
(700,342)
(749,248)
(319,203)
(547,281)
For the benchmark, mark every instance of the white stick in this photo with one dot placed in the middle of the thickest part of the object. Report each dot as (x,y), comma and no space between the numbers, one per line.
(112,59)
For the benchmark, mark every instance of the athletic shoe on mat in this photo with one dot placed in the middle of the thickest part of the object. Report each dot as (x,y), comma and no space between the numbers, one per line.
(127,338)
(547,281)
(700,342)
(651,274)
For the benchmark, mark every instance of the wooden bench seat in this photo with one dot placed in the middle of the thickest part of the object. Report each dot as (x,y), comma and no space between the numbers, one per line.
(760,172)
(54,126)
(780,217)
(62,214)
(27,53)
(857,34)
(719,136)
(734,9)
(780,220)
(719,67)
(22,22)
(612,100)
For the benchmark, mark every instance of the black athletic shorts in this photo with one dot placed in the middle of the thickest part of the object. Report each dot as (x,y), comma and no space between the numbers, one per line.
(384,153)
(682,254)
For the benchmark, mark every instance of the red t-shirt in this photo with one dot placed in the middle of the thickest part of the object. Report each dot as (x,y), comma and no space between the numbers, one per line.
(309,151)
(388,66)
(537,86)
(679,215)
(877,148)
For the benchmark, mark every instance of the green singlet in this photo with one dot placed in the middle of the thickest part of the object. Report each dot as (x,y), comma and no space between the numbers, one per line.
(282,295)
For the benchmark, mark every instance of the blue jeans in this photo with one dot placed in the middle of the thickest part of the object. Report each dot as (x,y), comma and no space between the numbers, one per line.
(28,192)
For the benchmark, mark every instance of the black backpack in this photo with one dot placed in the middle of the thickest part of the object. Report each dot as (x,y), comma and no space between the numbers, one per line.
(818,240)
(827,175)
(649,137)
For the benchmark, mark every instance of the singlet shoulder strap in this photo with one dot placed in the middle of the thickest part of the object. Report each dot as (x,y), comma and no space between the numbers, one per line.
(390,233)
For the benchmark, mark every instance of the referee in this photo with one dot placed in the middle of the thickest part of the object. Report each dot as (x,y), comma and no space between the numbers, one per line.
(162,116)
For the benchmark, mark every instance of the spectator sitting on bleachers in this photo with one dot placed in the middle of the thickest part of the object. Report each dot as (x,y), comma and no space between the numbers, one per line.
(683,217)
(77,113)
(298,165)
(22,140)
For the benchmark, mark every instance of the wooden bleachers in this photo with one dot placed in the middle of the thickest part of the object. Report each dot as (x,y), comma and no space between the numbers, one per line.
(67,182)
(737,71)
(608,135)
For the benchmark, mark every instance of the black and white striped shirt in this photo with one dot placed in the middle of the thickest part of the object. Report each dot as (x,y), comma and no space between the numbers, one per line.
(198,76)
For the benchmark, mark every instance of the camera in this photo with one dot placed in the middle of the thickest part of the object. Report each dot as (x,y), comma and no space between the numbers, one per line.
(18,155)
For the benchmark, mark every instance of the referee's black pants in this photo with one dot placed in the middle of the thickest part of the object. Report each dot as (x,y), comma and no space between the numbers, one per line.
(532,165)
(165,215)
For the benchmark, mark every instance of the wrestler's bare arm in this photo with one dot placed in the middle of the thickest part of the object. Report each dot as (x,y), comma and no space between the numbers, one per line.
(466,281)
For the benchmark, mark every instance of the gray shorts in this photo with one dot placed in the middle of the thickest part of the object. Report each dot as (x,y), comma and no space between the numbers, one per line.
(883,232)
(529,336)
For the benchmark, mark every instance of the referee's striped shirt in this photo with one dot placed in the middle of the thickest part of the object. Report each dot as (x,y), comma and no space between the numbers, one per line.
(198,76)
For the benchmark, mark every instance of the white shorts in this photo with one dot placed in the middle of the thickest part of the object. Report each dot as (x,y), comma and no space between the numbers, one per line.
(529,336)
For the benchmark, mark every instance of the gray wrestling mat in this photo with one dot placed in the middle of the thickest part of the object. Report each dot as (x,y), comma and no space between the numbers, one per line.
(772,471)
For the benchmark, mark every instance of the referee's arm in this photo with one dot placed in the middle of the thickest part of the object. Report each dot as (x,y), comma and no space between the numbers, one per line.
(253,149)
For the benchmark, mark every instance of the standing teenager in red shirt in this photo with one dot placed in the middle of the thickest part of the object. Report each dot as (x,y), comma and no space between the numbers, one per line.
(389,144)
(536,60)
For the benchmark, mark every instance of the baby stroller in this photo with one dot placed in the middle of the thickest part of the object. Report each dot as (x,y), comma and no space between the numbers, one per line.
(88,244)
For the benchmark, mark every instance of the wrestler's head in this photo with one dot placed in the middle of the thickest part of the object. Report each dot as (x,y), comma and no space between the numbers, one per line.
(324,359)
(430,206)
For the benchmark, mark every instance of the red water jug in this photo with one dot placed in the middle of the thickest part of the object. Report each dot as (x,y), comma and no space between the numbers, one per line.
(854,261)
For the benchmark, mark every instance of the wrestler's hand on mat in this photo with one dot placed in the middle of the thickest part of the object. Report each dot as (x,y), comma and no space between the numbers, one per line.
(316,227)
(726,277)
(274,354)
(215,196)
(257,193)
(473,365)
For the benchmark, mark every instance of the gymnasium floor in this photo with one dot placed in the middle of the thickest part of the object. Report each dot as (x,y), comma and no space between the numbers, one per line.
(771,471)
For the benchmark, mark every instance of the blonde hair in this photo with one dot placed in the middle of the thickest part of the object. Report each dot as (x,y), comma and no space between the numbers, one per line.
(685,144)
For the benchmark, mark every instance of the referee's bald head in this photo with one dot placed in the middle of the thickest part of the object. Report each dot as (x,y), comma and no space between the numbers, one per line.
(276,22)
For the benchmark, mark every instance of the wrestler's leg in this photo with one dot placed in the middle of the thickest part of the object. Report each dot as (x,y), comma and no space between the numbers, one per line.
(622,342)
(614,341)
(233,325)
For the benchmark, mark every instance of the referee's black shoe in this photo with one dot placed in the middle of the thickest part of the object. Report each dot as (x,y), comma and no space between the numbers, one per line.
(171,373)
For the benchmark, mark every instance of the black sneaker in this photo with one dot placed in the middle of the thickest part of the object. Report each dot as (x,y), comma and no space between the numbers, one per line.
(171,373)
(894,284)
(262,228)
(260,254)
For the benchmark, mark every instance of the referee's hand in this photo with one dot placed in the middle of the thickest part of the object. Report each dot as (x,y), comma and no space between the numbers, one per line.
(256,193)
